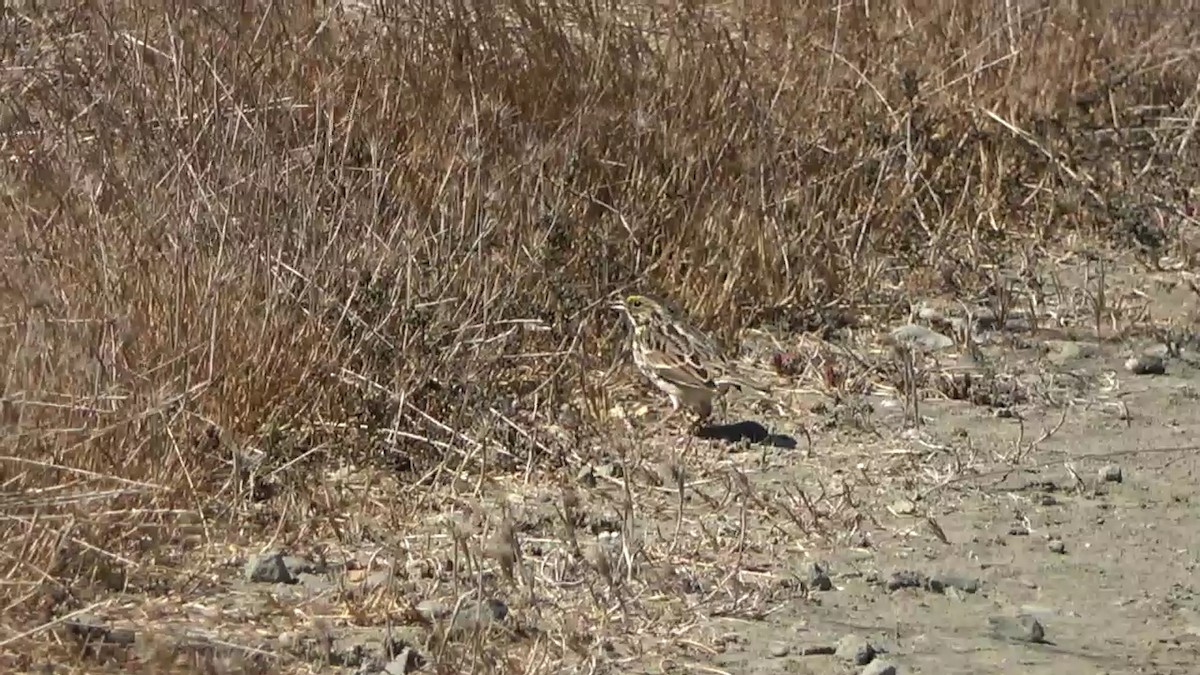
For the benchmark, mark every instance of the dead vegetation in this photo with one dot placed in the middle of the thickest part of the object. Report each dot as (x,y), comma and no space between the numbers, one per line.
(333,279)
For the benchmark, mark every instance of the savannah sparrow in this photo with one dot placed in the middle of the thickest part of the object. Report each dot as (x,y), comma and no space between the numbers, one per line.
(684,363)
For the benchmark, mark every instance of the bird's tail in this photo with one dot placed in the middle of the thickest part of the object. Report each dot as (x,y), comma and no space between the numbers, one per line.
(743,382)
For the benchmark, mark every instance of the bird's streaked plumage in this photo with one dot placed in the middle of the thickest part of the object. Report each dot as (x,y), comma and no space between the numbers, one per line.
(683,362)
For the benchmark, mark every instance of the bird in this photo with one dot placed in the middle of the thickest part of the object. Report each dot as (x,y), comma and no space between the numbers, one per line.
(679,359)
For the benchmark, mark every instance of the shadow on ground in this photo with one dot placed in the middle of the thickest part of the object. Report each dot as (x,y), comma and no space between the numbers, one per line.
(746,430)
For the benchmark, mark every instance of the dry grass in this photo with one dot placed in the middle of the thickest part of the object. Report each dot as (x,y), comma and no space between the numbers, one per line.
(375,246)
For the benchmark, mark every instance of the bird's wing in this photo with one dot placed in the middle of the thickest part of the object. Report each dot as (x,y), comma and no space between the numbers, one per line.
(741,381)
(679,365)
(705,355)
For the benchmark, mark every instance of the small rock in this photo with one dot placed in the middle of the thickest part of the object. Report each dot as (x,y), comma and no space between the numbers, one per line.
(1111,474)
(903,507)
(819,579)
(964,584)
(1064,351)
(779,650)
(586,477)
(984,318)
(355,650)
(375,580)
(472,616)
(432,610)
(315,582)
(609,470)
(919,336)
(298,565)
(855,649)
(1039,612)
(418,569)
(816,650)
(1057,546)
(288,640)
(1023,628)
(405,662)
(906,579)
(93,630)
(879,667)
(268,568)
(1018,530)
(1146,364)
(929,312)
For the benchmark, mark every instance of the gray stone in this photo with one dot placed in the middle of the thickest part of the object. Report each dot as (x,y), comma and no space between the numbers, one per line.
(586,476)
(289,640)
(375,580)
(1065,351)
(1146,364)
(93,630)
(268,568)
(819,579)
(314,582)
(879,667)
(405,662)
(298,565)
(1022,628)
(855,649)
(920,336)
(1057,546)
(473,616)
(959,583)
(433,610)
(1111,473)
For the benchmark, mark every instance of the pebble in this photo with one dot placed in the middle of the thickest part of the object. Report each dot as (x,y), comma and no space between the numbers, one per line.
(920,336)
(375,580)
(855,649)
(586,477)
(879,668)
(1111,474)
(779,650)
(905,579)
(964,584)
(315,582)
(268,568)
(1023,628)
(1146,364)
(406,661)
(288,640)
(914,579)
(819,579)
(299,565)
(91,629)
(418,569)
(432,610)
(1057,546)
(816,650)
(476,616)
(1064,351)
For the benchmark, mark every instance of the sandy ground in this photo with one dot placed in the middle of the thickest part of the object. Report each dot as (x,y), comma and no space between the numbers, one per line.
(1072,510)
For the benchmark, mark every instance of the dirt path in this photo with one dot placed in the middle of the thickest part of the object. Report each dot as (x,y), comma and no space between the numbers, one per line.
(1105,567)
